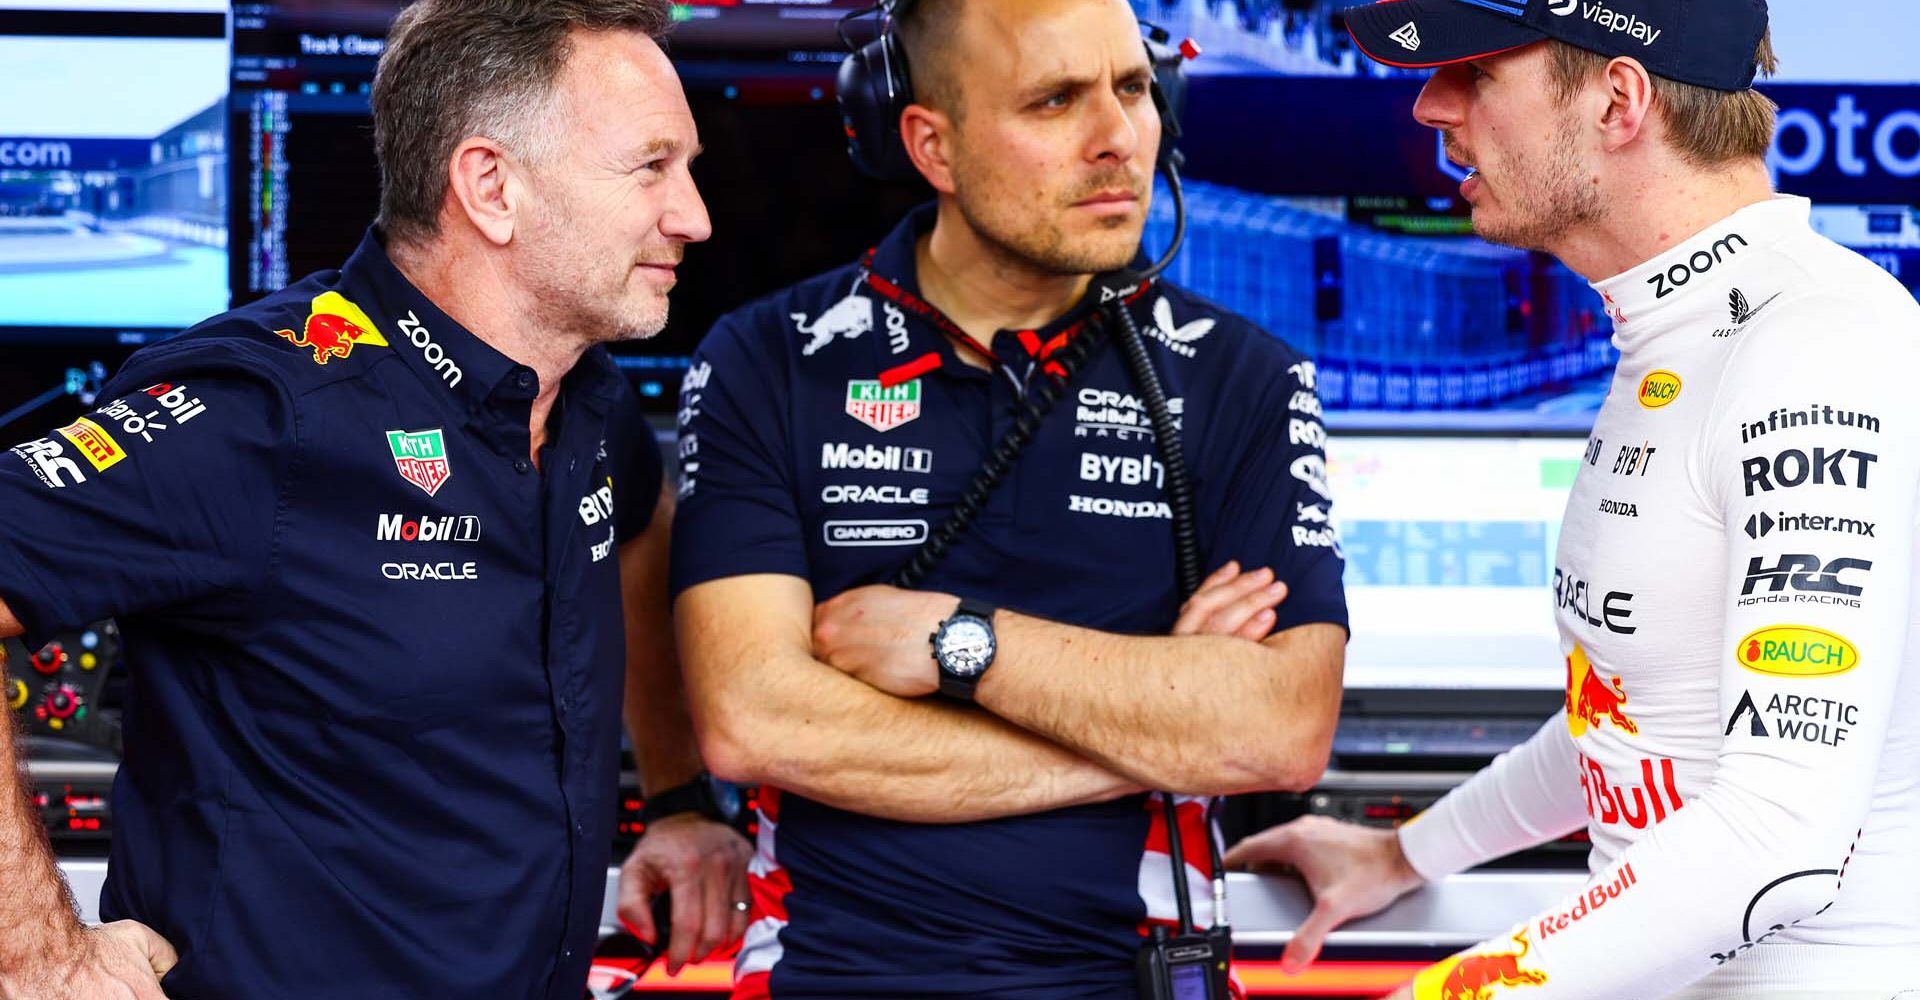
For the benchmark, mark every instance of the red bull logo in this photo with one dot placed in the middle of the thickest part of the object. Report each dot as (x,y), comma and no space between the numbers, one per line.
(1478,975)
(334,328)
(1591,700)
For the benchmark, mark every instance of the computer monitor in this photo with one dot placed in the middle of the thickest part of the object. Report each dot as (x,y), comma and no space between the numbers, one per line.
(113,176)
(784,200)
(1449,543)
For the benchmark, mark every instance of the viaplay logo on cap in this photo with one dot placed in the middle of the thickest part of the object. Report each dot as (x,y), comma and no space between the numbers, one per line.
(1608,18)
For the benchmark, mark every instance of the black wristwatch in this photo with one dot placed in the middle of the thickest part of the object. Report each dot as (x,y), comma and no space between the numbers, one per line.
(963,646)
(705,795)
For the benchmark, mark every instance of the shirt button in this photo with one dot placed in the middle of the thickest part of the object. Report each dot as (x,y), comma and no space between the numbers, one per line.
(525,379)
(579,830)
(521,466)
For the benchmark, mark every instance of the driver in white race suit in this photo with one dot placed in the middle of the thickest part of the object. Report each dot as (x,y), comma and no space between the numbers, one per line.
(1734,582)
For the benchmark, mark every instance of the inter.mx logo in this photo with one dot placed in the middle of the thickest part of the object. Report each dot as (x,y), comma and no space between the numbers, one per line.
(1763,524)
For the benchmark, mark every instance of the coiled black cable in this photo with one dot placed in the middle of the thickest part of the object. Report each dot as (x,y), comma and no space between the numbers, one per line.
(1026,425)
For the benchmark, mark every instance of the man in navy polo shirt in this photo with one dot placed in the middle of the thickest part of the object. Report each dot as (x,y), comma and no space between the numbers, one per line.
(921,846)
(366,541)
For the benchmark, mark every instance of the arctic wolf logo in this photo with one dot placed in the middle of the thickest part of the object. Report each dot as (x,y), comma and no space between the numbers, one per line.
(848,318)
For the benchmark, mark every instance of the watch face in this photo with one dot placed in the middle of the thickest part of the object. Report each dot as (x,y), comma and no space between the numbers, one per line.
(966,646)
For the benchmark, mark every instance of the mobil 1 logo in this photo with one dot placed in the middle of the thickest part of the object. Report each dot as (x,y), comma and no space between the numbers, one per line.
(872,458)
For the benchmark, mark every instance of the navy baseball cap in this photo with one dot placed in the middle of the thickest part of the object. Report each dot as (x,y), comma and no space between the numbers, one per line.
(1707,43)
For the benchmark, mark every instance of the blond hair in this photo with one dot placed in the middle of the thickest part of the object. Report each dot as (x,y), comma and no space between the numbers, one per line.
(1709,128)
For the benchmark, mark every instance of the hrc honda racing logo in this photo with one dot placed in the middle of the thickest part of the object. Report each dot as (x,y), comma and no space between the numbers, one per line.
(56,463)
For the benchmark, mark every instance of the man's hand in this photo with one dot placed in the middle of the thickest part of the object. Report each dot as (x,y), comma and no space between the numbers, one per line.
(880,635)
(1232,603)
(1351,871)
(120,961)
(704,865)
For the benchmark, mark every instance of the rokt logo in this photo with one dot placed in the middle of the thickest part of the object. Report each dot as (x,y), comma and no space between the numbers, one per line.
(1794,467)
(1796,651)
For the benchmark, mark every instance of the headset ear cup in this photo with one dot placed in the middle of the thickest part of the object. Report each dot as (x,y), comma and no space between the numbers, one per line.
(874,88)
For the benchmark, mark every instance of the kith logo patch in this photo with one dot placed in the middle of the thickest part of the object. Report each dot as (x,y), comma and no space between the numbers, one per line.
(882,407)
(421,457)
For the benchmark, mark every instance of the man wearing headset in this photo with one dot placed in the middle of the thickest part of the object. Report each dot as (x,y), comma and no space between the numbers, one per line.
(968,817)
(1742,725)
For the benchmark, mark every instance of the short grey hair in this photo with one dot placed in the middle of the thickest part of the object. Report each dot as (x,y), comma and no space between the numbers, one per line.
(455,69)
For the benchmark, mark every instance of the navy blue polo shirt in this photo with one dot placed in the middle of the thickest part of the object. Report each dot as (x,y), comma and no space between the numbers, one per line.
(375,655)
(824,431)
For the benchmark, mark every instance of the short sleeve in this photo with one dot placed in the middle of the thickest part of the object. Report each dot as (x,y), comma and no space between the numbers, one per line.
(164,497)
(1268,485)
(737,513)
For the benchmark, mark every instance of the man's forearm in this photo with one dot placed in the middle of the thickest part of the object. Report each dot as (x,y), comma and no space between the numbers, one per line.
(37,918)
(804,726)
(1201,715)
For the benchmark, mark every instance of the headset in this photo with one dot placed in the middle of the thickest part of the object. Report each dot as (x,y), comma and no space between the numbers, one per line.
(875,86)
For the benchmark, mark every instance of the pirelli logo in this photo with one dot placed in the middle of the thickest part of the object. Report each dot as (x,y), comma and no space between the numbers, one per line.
(97,446)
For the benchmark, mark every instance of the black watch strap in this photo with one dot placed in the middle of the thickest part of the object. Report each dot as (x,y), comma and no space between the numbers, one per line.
(977,608)
(694,796)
